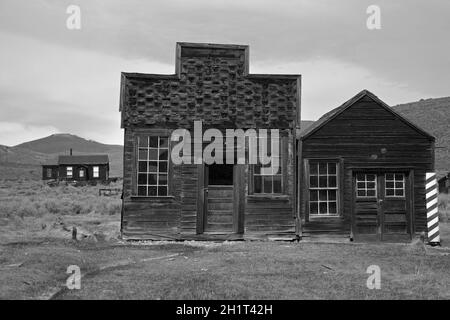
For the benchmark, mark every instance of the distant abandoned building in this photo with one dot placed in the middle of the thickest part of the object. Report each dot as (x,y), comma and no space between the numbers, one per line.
(444,183)
(78,168)
(359,172)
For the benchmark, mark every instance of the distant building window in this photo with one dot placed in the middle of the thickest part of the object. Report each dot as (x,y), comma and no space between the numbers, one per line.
(95,172)
(153,166)
(366,185)
(49,173)
(323,188)
(81,173)
(395,185)
(69,172)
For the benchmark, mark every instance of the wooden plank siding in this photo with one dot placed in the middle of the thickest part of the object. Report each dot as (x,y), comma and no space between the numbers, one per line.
(275,214)
(211,84)
(180,216)
(367,136)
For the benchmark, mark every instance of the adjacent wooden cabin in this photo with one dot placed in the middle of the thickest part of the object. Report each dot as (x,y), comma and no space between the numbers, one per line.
(212,84)
(78,168)
(362,173)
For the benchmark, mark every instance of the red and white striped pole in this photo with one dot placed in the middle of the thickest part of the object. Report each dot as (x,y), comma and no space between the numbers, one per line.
(431,187)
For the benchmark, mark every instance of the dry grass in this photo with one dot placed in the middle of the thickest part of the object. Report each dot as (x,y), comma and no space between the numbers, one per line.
(36,222)
(31,208)
(236,270)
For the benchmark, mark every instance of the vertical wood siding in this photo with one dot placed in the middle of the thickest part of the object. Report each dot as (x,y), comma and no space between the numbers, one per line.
(357,136)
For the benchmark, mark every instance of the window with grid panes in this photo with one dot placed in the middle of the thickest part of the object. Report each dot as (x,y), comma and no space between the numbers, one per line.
(153,166)
(268,181)
(366,185)
(323,188)
(395,185)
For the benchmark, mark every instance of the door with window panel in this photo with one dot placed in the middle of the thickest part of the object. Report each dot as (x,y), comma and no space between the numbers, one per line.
(381,208)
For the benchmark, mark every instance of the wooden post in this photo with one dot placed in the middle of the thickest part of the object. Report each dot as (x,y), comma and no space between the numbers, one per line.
(200,198)
(431,191)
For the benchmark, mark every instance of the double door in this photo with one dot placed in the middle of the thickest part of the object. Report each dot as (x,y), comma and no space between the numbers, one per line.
(381,205)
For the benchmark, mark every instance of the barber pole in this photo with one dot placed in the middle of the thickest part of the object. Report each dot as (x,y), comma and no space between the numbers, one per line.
(431,187)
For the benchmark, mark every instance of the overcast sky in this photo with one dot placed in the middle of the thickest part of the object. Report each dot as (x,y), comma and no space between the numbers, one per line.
(56,80)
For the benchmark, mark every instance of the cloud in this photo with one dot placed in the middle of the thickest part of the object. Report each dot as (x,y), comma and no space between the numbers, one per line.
(52,76)
(69,89)
(13,133)
(327,83)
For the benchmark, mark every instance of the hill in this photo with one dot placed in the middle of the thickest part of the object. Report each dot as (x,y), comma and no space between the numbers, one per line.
(61,143)
(432,115)
(304,124)
(18,162)
(24,160)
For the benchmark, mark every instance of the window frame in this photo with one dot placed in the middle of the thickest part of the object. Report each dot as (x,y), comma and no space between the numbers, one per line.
(338,188)
(49,172)
(96,173)
(365,187)
(69,169)
(135,179)
(395,188)
(283,157)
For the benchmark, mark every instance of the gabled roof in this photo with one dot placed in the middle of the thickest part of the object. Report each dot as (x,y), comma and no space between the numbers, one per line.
(84,159)
(327,117)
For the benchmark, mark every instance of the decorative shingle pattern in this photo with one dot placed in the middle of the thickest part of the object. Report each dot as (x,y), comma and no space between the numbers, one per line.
(211,86)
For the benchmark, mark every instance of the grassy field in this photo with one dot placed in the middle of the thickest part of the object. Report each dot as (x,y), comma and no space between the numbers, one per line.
(233,270)
(31,210)
(36,249)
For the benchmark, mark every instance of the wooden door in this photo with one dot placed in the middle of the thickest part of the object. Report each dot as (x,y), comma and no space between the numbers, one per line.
(394,206)
(219,199)
(381,209)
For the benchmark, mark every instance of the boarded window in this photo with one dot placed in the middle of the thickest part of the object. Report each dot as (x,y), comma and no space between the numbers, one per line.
(69,171)
(95,172)
(395,185)
(323,188)
(366,185)
(153,166)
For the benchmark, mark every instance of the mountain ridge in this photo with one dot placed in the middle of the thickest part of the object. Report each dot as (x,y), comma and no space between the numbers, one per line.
(433,116)
(25,159)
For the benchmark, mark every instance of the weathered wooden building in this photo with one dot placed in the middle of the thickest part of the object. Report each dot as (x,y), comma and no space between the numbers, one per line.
(50,171)
(212,84)
(78,168)
(362,173)
(357,173)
